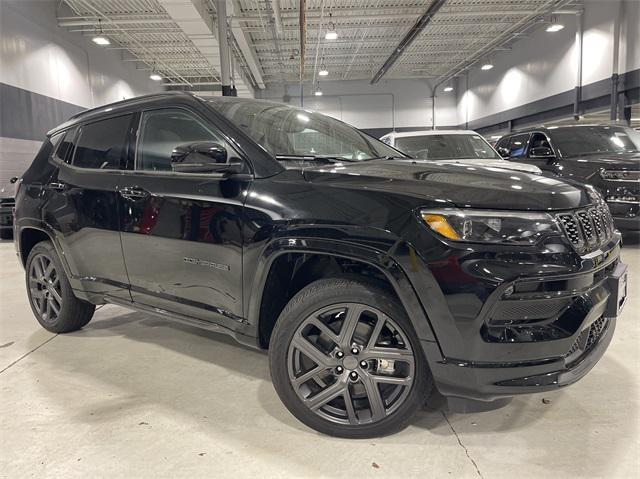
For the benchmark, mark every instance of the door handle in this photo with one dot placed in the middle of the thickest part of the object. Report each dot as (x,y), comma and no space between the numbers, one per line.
(134,193)
(57,186)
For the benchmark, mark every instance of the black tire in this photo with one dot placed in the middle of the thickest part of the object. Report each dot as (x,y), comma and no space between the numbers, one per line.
(48,295)
(330,295)
(6,233)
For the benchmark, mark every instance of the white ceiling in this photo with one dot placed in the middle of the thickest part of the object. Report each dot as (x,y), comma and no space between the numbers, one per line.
(178,37)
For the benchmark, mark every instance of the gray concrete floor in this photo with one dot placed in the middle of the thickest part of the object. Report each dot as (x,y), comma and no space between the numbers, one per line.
(132,396)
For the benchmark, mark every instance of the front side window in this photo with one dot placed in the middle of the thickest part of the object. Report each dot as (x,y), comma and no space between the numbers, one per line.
(586,140)
(447,147)
(162,130)
(103,144)
(518,145)
(286,131)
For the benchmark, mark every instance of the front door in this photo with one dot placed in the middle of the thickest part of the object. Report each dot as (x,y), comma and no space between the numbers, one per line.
(181,232)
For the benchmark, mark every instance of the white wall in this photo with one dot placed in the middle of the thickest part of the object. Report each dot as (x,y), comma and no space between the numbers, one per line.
(388,104)
(545,64)
(38,56)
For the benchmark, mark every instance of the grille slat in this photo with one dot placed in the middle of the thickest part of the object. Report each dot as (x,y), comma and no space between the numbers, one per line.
(587,228)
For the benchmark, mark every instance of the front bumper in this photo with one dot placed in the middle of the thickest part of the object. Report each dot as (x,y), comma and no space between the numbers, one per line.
(532,334)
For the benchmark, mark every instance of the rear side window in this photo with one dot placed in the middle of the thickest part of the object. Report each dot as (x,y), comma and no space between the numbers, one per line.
(65,146)
(103,144)
(503,143)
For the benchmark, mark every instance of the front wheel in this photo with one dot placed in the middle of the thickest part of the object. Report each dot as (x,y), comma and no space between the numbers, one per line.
(346,361)
(50,295)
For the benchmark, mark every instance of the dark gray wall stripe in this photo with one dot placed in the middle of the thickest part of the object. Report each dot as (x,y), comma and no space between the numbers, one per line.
(594,96)
(378,132)
(28,116)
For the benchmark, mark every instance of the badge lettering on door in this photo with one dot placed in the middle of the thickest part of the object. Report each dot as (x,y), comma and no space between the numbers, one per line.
(209,264)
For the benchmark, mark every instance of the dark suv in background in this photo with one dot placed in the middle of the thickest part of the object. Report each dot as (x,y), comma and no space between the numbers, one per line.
(607,157)
(369,276)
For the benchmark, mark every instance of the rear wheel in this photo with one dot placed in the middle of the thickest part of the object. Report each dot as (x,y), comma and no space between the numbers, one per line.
(55,306)
(345,360)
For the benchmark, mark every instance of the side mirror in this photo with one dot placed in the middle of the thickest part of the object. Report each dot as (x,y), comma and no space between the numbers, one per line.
(541,152)
(203,157)
(504,152)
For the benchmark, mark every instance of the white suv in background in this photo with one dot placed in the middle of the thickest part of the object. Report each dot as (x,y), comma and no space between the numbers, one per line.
(452,146)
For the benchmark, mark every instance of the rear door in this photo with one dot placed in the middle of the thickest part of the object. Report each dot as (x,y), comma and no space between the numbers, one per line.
(182,232)
(81,203)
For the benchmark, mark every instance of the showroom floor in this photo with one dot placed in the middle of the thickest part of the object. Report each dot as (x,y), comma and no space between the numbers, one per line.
(131,396)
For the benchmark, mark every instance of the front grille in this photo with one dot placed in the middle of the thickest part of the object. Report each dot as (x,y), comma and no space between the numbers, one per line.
(587,339)
(587,228)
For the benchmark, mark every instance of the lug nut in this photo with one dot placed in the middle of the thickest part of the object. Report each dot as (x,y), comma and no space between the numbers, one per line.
(364,364)
(339,369)
(354,350)
(340,354)
(353,375)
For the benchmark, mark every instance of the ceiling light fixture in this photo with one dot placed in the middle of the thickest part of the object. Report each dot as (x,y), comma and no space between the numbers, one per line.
(486,66)
(318,91)
(323,72)
(448,88)
(555,27)
(155,77)
(100,39)
(331,30)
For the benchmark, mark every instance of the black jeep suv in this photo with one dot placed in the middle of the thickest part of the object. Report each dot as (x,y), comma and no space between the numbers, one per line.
(607,157)
(370,277)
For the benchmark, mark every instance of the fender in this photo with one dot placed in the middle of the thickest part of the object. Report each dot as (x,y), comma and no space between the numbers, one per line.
(368,255)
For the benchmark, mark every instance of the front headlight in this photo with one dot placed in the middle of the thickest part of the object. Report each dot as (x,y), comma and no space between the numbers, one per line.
(478,226)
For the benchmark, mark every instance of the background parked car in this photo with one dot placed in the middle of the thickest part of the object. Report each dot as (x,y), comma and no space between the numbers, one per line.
(7,202)
(605,156)
(452,146)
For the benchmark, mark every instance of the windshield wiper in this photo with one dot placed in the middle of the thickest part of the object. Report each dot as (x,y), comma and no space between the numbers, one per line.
(389,157)
(326,159)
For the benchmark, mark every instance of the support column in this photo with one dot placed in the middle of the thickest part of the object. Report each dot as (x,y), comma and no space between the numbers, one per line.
(578,90)
(223,43)
(614,68)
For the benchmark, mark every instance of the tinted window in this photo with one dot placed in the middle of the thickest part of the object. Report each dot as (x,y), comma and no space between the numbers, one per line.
(518,145)
(66,145)
(162,130)
(102,144)
(288,131)
(504,142)
(584,140)
(446,147)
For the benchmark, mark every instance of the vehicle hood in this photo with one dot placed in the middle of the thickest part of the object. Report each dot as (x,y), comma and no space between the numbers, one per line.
(611,161)
(509,165)
(455,183)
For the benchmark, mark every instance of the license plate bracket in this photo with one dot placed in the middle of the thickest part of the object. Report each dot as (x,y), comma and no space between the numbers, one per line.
(617,283)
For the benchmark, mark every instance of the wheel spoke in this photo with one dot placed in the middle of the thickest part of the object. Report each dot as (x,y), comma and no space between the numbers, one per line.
(313,353)
(56,295)
(375,399)
(317,322)
(53,307)
(308,375)
(47,306)
(48,270)
(392,380)
(404,355)
(375,333)
(348,402)
(37,293)
(349,324)
(326,395)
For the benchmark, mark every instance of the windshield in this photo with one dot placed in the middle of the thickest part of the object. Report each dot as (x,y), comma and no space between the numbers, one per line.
(585,140)
(447,147)
(286,131)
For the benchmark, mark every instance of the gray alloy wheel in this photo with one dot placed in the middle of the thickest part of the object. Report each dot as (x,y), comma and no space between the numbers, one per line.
(51,297)
(351,364)
(346,361)
(44,288)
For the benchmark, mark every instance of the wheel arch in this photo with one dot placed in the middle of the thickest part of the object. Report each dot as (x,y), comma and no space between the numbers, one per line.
(321,253)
